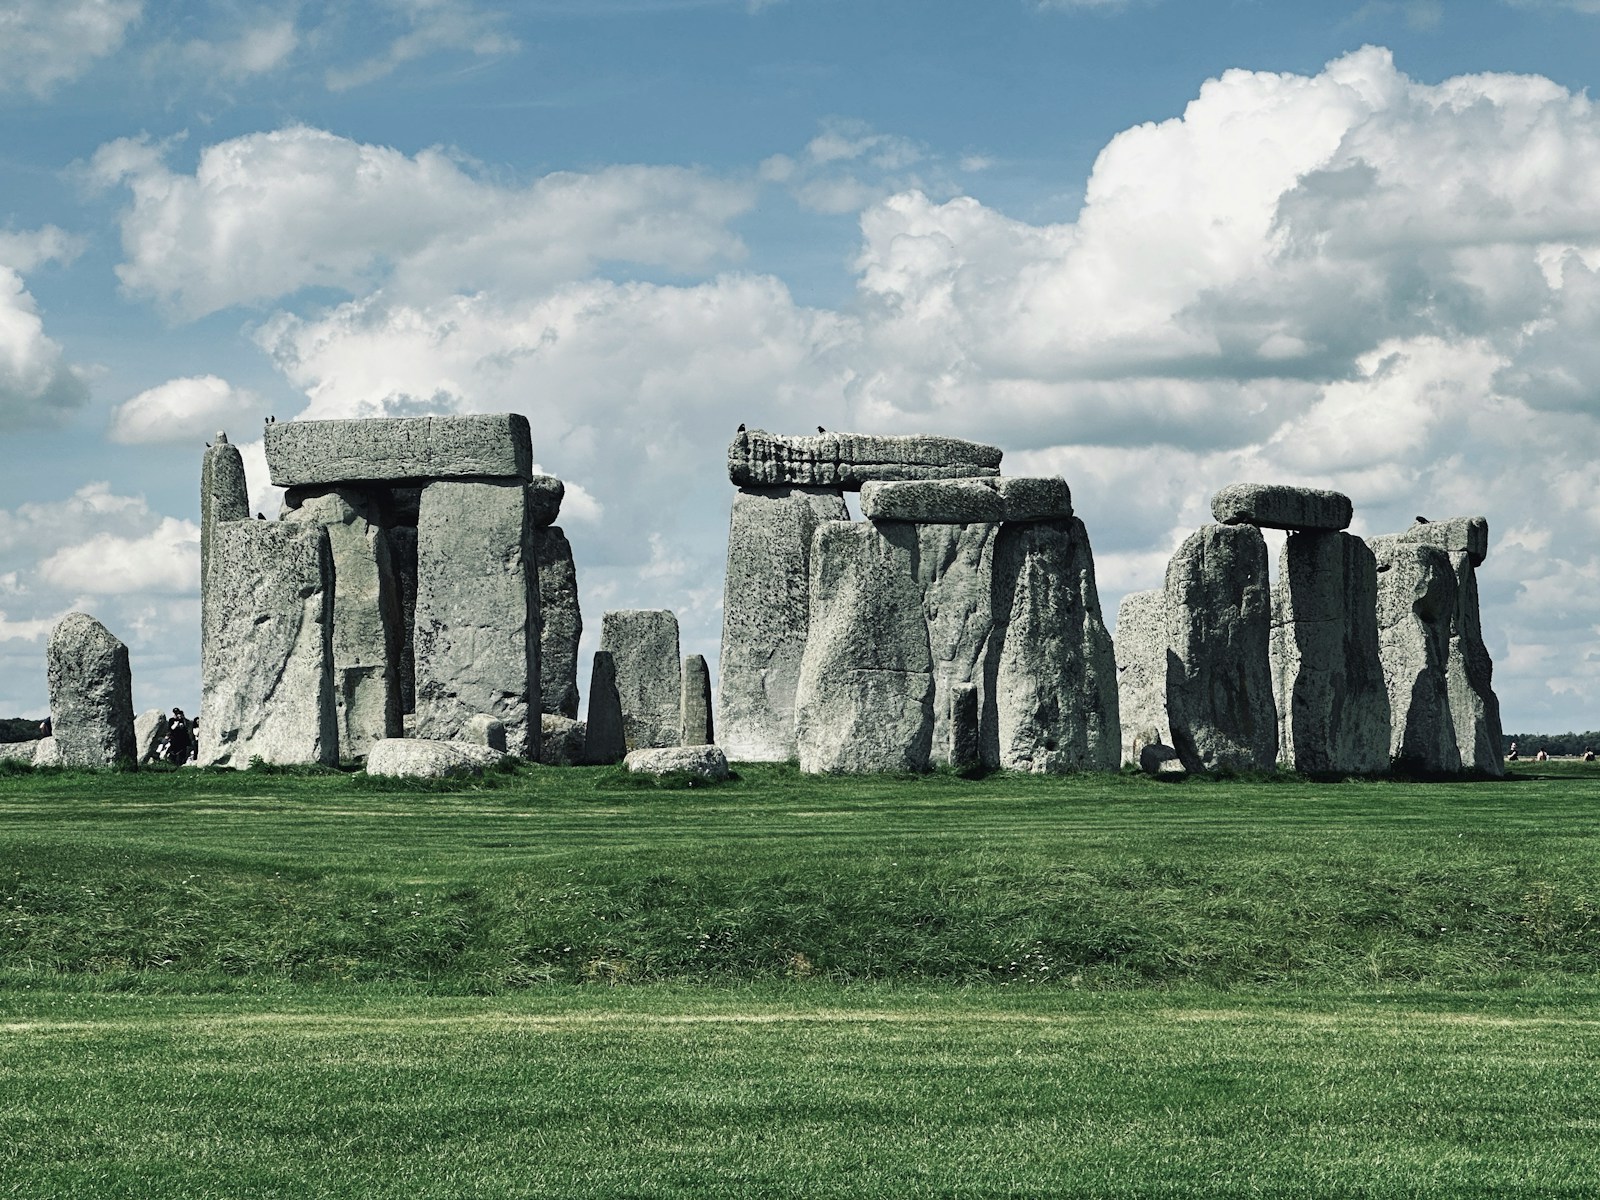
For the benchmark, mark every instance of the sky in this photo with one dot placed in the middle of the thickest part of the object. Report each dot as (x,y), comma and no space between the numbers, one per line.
(1155,246)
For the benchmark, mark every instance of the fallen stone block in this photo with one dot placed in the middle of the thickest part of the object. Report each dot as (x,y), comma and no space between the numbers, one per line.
(1141,653)
(1161,761)
(19,752)
(604,742)
(484,730)
(644,648)
(91,694)
(149,728)
(847,460)
(561,741)
(1416,604)
(422,758)
(702,762)
(560,622)
(695,723)
(496,445)
(1279,506)
(47,753)
(1458,535)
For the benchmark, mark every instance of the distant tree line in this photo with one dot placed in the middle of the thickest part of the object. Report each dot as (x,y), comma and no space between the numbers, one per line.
(18,729)
(1529,744)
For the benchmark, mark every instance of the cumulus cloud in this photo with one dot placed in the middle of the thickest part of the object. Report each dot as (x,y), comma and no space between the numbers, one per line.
(45,43)
(37,385)
(165,560)
(183,410)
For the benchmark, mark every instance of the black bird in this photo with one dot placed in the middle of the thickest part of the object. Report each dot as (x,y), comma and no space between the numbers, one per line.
(1423,521)
(820,429)
(741,427)
(261,516)
(208,445)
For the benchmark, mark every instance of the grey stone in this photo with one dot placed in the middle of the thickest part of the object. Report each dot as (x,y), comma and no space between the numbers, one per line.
(20,752)
(545,494)
(1220,706)
(765,611)
(865,697)
(560,622)
(1333,704)
(847,460)
(1054,673)
(91,693)
(149,727)
(496,445)
(403,559)
(965,736)
(1158,759)
(47,753)
(561,741)
(477,623)
(702,762)
(224,496)
(954,569)
(1469,678)
(267,663)
(1279,506)
(1034,498)
(695,724)
(484,730)
(424,758)
(367,619)
(1141,650)
(1457,535)
(644,647)
(1417,599)
(604,741)
(945,501)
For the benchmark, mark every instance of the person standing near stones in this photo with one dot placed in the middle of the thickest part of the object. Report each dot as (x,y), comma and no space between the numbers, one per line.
(180,742)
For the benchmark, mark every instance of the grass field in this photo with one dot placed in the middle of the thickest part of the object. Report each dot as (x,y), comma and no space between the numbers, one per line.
(561,983)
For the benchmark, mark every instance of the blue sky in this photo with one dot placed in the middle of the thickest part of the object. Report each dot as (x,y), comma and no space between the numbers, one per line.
(1155,246)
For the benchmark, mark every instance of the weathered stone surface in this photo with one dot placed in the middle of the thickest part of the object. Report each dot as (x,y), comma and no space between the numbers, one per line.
(954,569)
(403,560)
(424,758)
(695,726)
(477,625)
(1416,604)
(224,496)
(1054,673)
(420,448)
(1469,677)
(1220,706)
(1141,650)
(484,730)
(964,501)
(367,621)
(1458,535)
(47,753)
(91,693)
(865,696)
(847,460)
(267,663)
(965,736)
(1158,759)
(19,752)
(644,648)
(545,494)
(1034,498)
(702,762)
(765,610)
(1279,506)
(560,622)
(604,741)
(561,741)
(149,727)
(1333,704)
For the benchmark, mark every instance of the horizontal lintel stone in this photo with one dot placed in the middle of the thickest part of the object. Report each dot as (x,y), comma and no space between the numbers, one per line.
(1458,535)
(495,445)
(1279,506)
(966,501)
(848,460)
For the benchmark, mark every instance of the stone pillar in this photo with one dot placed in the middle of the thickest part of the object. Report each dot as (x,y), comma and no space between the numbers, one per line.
(765,610)
(697,728)
(644,648)
(1219,674)
(1469,676)
(224,496)
(604,742)
(954,567)
(1417,598)
(477,618)
(1333,705)
(1141,652)
(560,622)
(267,663)
(91,694)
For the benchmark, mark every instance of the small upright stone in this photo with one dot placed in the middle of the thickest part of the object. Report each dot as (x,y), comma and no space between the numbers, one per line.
(91,694)
(149,727)
(696,726)
(1416,604)
(644,646)
(604,741)
(560,622)
(561,741)
(966,746)
(484,730)
(1141,649)
(1279,506)
(224,496)
(545,493)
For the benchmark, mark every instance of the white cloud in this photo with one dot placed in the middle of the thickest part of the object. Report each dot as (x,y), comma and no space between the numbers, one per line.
(256,49)
(27,250)
(183,410)
(166,561)
(430,26)
(37,385)
(45,43)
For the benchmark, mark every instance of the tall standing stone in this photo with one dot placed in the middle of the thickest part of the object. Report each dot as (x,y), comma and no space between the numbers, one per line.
(560,622)
(367,620)
(604,742)
(91,694)
(864,702)
(1054,689)
(267,663)
(1416,604)
(696,728)
(1333,705)
(954,569)
(477,618)
(1141,650)
(644,646)
(1219,629)
(224,496)
(765,610)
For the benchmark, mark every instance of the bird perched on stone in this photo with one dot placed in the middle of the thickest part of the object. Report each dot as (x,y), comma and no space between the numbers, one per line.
(741,427)
(261,516)
(1423,521)
(820,429)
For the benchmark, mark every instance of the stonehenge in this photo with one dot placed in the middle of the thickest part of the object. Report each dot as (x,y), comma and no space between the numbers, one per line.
(643,644)
(695,726)
(91,694)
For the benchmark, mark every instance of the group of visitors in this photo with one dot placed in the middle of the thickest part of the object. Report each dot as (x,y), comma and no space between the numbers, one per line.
(1542,756)
(180,741)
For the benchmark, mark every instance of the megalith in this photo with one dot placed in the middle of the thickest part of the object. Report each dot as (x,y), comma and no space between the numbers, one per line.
(954,571)
(758,459)
(458,447)
(367,617)
(1282,506)
(604,742)
(765,611)
(1141,652)
(1219,627)
(644,649)
(560,621)
(91,694)
(1333,704)
(695,723)
(224,496)
(1416,605)
(476,640)
(864,702)
(267,661)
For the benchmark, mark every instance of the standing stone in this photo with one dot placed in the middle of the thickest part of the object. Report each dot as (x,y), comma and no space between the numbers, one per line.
(477,620)
(224,496)
(149,727)
(367,622)
(644,647)
(91,694)
(1219,629)
(560,622)
(696,727)
(403,559)
(1469,674)
(1416,603)
(1333,704)
(966,744)
(604,742)
(865,697)
(954,570)
(765,611)
(1054,673)
(1141,650)
(267,663)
